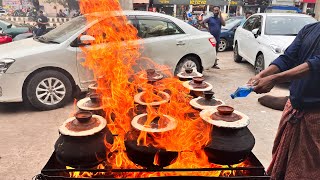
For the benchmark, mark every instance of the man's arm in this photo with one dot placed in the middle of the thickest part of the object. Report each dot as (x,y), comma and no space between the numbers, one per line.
(223,22)
(264,85)
(204,22)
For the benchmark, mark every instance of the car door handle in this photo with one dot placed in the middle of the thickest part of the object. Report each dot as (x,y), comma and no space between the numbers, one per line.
(181,43)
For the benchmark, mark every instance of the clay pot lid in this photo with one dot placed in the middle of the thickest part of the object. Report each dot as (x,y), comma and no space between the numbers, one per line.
(84,123)
(151,75)
(163,98)
(202,103)
(159,124)
(189,73)
(93,102)
(197,84)
(225,116)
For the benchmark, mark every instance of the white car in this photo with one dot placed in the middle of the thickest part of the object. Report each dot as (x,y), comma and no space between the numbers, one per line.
(46,71)
(265,36)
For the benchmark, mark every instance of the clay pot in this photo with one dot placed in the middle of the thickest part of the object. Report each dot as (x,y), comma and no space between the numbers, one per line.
(81,143)
(208,95)
(225,110)
(145,155)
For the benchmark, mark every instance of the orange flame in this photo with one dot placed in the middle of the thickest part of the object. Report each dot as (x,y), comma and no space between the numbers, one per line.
(112,57)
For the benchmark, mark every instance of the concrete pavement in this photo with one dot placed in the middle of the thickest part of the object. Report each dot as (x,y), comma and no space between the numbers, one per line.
(28,136)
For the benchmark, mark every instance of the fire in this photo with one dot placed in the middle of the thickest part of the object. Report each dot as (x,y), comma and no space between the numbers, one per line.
(112,57)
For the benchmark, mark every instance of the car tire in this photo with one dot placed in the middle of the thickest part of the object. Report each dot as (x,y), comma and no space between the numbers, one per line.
(259,64)
(223,45)
(48,90)
(188,61)
(236,57)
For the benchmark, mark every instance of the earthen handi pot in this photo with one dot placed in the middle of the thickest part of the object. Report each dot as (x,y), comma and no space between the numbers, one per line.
(151,73)
(197,80)
(231,141)
(208,95)
(95,98)
(93,103)
(145,155)
(225,110)
(81,143)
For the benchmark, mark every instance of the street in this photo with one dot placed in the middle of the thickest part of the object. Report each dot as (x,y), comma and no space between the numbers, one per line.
(28,136)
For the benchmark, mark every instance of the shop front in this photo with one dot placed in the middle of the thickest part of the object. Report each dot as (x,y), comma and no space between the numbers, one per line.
(178,8)
(141,5)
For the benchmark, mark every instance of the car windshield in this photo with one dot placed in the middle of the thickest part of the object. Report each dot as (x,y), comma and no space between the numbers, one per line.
(231,23)
(286,25)
(66,30)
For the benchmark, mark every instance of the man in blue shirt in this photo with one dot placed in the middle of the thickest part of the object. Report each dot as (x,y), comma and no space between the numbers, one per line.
(296,150)
(214,27)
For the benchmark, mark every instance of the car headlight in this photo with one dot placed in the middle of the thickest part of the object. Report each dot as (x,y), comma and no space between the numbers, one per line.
(5,64)
(276,49)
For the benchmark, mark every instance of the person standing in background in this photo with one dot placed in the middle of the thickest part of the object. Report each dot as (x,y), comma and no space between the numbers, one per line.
(214,27)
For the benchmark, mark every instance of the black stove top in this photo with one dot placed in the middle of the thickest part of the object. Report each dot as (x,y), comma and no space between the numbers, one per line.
(55,171)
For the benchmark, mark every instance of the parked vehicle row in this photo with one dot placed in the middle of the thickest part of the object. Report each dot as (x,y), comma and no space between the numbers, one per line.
(48,69)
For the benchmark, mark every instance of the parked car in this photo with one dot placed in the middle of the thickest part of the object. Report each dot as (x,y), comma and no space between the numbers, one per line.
(56,57)
(4,38)
(12,28)
(227,32)
(265,36)
(3,12)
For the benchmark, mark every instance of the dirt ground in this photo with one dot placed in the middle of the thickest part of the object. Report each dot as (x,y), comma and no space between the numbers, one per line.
(28,136)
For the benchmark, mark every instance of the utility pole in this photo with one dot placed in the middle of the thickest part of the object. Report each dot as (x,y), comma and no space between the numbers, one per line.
(317,10)
(126,4)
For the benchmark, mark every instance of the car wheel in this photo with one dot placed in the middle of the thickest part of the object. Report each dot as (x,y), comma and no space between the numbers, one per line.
(223,45)
(259,64)
(236,56)
(49,89)
(189,61)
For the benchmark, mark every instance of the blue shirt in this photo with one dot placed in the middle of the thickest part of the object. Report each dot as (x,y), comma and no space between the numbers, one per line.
(214,24)
(305,92)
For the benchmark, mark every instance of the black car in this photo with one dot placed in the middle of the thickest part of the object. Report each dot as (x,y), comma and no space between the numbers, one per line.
(227,32)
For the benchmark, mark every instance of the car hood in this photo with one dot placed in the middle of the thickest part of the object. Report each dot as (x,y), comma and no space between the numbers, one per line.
(281,41)
(25,47)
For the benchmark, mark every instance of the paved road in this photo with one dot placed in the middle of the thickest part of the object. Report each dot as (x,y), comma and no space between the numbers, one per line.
(28,136)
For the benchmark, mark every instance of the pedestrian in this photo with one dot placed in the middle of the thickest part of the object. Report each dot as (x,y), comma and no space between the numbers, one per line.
(214,27)
(42,22)
(247,15)
(296,150)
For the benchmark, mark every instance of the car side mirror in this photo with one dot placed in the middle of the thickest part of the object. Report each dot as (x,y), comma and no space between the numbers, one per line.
(86,39)
(255,32)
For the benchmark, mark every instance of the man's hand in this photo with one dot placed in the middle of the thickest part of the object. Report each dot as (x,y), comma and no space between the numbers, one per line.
(264,85)
(254,80)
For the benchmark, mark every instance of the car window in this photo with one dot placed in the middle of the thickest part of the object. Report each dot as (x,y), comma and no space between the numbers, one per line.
(98,32)
(66,30)
(232,23)
(286,25)
(154,28)
(250,23)
(257,24)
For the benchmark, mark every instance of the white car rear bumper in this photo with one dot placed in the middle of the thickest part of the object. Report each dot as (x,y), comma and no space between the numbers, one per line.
(208,59)
(11,86)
